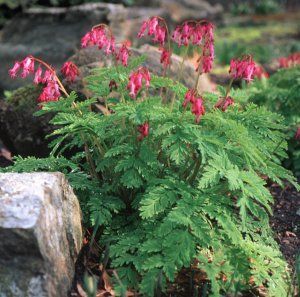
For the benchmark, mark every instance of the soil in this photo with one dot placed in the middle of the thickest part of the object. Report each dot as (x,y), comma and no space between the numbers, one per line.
(285,222)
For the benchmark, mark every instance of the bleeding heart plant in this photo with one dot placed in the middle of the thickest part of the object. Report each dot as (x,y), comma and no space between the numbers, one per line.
(175,177)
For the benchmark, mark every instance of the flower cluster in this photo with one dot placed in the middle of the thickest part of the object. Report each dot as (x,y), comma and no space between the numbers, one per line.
(143,130)
(242,68)
(197,33)
(224,103)
(101,37)
(290,61)
(136,81)
(48,77)
(197,106)
(51,91)
(156,27)
(70,71)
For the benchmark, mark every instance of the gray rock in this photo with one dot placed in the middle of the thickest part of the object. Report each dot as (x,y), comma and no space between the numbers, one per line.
(181,10)
(41,235)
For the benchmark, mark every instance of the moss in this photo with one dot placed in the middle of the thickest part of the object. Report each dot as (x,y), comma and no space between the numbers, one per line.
(24,97)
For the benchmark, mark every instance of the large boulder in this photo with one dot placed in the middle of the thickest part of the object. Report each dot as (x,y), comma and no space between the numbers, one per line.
(41,235)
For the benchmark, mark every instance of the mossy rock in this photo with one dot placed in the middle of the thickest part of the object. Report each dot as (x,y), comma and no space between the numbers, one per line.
(24,97)
(22,132)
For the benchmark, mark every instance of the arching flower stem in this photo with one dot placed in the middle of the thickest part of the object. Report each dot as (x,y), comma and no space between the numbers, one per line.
(54,74)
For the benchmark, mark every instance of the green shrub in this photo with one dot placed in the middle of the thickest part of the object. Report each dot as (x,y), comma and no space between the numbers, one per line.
(266,6)
(258,7)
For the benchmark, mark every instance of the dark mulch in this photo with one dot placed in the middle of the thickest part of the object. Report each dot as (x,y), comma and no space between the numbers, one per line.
(286,220)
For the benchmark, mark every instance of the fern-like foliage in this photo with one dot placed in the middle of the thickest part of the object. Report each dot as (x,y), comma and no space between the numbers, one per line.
(280,93)
(186,196)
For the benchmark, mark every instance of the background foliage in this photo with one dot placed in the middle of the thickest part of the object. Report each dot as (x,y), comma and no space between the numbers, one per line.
(280,93)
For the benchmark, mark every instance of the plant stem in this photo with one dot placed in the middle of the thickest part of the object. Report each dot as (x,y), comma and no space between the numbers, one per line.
(182,63)
(229,87)
(90,160)
(179,76)
(195,172)
(54,73)
(187,171)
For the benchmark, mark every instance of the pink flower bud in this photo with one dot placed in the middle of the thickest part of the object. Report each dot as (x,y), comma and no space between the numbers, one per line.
(70,71)
(110,46)
(143,29)
(85,40)
(242,69)
(160,35)
(176,36)
(136,80)
(38,76)
(152,25)
(14,71)
(146,77)
(28,66)
(48,76)
(165,58)
(198,109)
(123,54)
(189,97)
